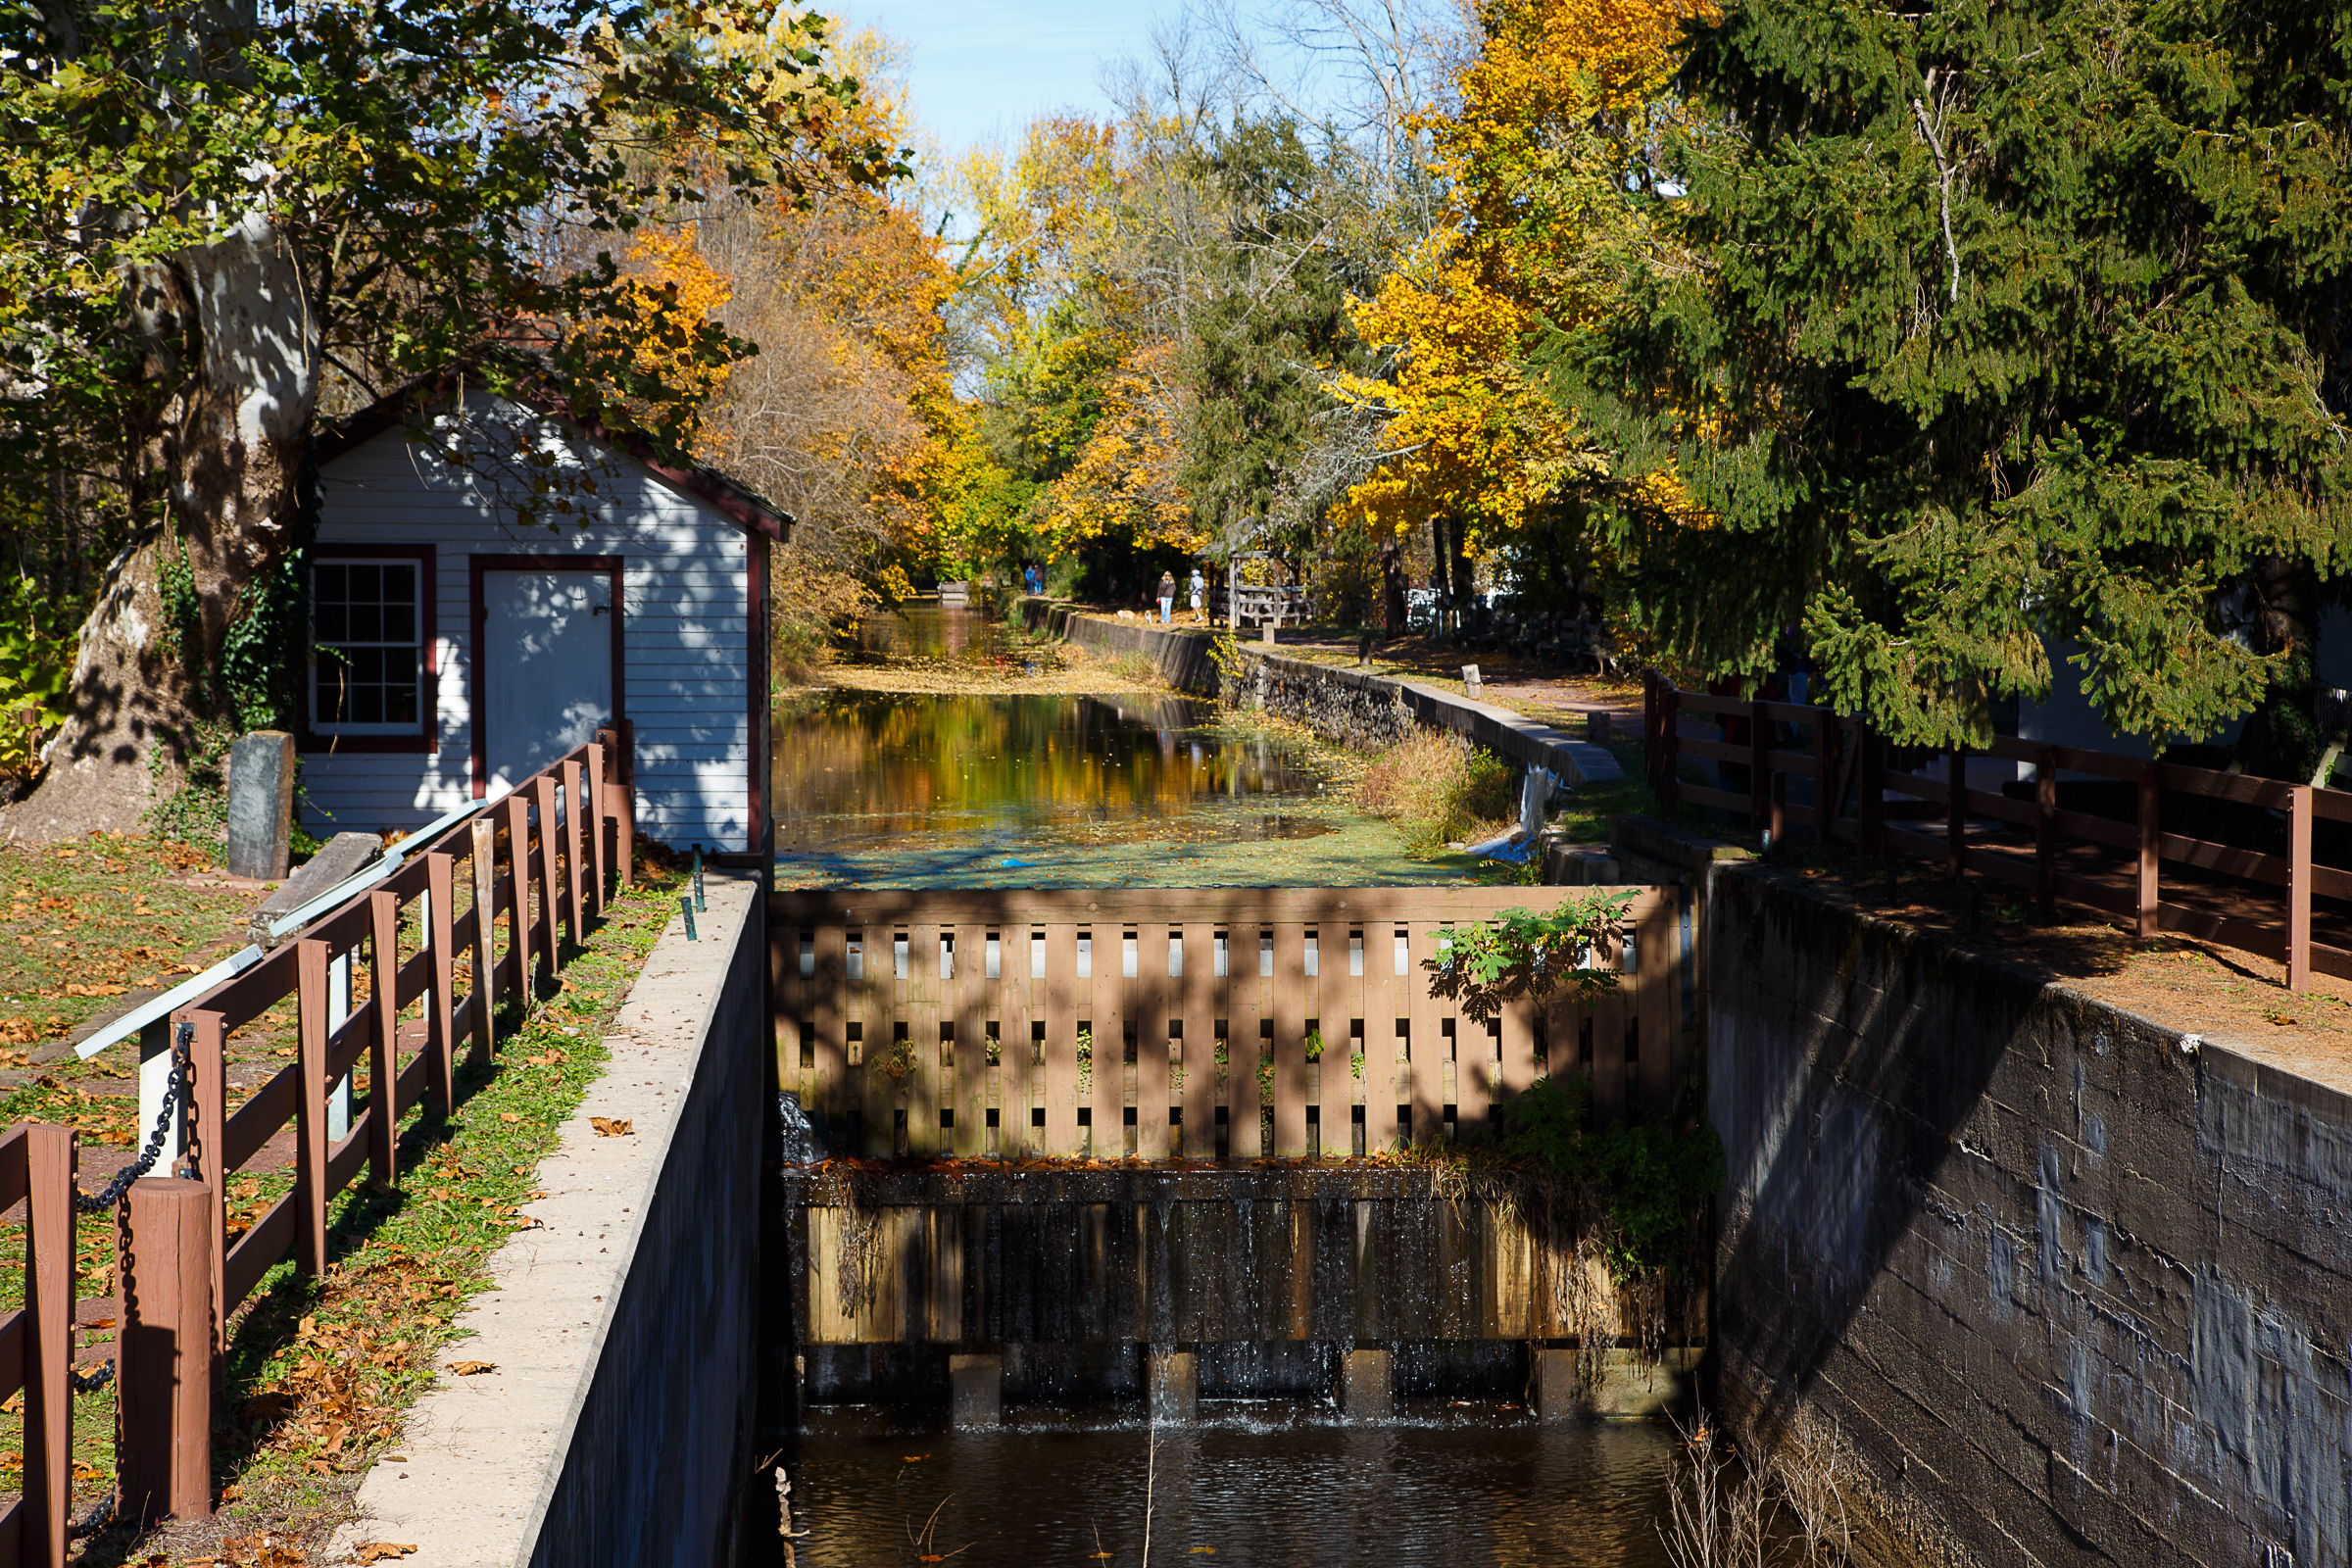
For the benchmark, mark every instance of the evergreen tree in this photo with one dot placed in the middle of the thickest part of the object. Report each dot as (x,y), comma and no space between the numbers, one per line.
(1271,325)
(2010,324)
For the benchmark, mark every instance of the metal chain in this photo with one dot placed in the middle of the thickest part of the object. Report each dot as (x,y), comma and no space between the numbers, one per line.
(92,1382)
(95,1520)
(177,1089)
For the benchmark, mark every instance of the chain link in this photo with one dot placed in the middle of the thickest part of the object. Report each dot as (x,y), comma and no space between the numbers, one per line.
(177,1089)
(92,1382)
(95,1520)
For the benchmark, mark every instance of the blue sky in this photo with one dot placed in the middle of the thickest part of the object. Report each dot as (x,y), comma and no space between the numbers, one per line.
(983,67)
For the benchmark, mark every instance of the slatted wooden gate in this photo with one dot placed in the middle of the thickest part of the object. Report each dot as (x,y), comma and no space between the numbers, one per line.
(1197,1023)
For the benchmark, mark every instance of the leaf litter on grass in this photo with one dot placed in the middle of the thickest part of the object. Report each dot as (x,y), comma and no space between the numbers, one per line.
(321,1376)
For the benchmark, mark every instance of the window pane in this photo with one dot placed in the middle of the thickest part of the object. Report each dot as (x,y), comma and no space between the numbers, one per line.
(367,705)
(368,665)
(332,621)
(329,585)
(367,584)
(400,622)
(400,685)
(367,622)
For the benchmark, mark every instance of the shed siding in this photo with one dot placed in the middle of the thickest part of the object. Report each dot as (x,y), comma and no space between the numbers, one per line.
(683,586)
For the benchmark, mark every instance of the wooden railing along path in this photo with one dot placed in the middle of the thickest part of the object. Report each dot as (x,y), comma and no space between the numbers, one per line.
(539,861)
(2244,895)
(953,1023)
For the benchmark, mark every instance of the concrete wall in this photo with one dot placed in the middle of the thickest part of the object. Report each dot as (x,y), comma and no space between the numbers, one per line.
(1346,705)
(615,1425)
(2072,1287)
(662,1442)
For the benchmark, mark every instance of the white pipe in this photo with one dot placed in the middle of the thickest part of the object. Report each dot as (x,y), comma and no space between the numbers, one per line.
(146,1012)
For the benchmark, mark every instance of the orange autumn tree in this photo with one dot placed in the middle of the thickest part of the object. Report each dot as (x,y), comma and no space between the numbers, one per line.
(676,297)
(1558,115)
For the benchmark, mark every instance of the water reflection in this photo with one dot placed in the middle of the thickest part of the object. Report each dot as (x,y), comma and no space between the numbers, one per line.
(860,770)
(919,632)
(1255,1486)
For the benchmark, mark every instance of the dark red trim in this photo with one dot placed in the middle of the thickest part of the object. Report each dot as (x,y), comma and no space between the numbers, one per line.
(391,412)
(756,735)
(478,567)
(428,740)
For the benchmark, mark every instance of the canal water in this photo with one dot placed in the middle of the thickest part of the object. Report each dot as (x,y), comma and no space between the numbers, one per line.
(966,789)
(1253,1484)
(891,788)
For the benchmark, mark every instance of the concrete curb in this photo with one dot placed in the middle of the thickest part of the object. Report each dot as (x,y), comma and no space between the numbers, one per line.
(1184,659)
(486,1456)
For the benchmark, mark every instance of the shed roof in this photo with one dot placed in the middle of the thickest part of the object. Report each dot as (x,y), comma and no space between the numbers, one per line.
(736,502)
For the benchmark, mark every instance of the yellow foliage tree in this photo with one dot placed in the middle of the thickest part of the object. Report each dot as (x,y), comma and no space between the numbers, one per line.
(1125,478)
(1560,103)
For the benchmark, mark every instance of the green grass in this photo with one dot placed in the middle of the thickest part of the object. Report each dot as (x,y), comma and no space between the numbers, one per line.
(321,1373)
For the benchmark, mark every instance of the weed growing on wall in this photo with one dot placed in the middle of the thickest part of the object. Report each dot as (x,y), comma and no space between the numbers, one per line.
(1650,1178)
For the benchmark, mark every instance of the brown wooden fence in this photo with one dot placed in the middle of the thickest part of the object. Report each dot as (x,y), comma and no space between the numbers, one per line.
(475,917)
(36,1345)
(2253,891)
(1188,1024)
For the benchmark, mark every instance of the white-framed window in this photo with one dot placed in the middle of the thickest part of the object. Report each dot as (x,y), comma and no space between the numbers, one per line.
(368,654)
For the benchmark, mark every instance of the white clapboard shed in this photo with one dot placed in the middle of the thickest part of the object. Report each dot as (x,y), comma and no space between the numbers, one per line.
(457,648)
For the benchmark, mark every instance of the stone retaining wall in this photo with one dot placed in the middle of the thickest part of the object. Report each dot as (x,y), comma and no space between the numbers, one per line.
(2071,1285)
(1347,706)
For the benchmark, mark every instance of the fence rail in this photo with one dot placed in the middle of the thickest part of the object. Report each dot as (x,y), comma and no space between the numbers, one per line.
(36,1340)
(1185,1024)
(2222,891)
(401,977)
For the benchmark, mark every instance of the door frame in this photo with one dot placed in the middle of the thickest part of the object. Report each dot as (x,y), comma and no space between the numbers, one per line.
(481,566)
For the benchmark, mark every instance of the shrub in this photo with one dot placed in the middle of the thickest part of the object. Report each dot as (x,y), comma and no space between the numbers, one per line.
(1437,789)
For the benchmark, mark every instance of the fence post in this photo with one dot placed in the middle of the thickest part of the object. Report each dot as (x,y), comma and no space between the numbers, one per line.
(2046,829)
(1870,806)
(208,1154)
(1828,793)
(484,866)
(1955,832)
(543,795)
(2150,909)
(2298,888)
(309,1133)
(1650,745)
(163,1269)
(1759,767)
(49,1247)
(575,844)
(620,797)
(441,1019)
(520,938)
(600,857)
(383,1066)
(1671,733)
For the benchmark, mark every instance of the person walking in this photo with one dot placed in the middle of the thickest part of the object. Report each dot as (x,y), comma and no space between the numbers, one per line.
(1199,591)
(1167,597)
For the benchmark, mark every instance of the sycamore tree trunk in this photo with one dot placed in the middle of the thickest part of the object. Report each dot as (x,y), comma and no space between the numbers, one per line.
(1392,585)
(232,360)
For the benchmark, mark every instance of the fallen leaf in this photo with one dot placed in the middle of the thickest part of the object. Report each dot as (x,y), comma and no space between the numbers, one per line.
(508,1116)
(468,1369)
(1199,1551)
(608,1127)
(379,1550)
(914,1458)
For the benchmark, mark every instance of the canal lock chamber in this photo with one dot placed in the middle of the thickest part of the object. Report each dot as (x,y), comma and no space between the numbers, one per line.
(966,1293)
